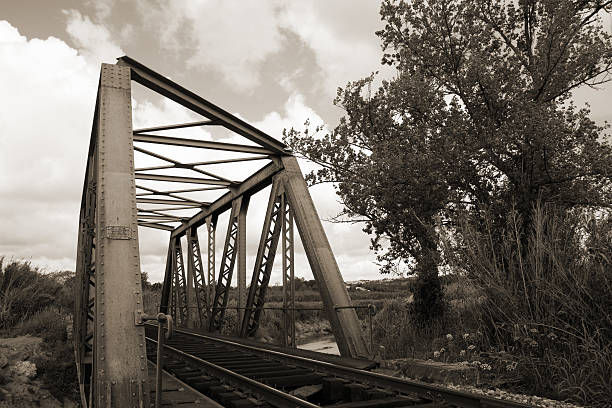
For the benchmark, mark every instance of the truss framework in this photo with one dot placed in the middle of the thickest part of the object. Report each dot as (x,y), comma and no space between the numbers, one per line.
(117,198)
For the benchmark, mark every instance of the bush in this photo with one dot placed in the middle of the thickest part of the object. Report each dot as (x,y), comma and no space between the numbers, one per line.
(47,324)
(25,291)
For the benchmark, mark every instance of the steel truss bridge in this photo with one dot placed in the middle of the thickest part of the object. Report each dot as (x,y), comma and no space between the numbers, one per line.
(182,195)
(108,325)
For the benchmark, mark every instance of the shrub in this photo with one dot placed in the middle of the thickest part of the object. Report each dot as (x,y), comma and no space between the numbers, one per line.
(25,291)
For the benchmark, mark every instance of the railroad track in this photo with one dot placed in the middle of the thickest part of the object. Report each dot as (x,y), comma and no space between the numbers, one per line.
(247,376)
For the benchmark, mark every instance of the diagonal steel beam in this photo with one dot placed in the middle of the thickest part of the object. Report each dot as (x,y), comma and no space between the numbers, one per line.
(157,192)
(179,179)
(176,126)
(176,165)
(258,181)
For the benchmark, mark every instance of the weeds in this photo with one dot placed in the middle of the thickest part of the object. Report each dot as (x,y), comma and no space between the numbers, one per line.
(38,304)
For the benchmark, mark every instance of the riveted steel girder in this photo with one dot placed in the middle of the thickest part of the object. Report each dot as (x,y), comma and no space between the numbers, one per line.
(118,374)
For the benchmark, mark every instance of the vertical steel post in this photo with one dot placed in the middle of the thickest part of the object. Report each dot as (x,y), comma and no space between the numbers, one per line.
(190,295)
(180,289)
(199,278)
(226,271)
(167,284)
(84,313)
(211,226)
(344,321)
(264,262)
(242,258)
(288,274)
(120,353)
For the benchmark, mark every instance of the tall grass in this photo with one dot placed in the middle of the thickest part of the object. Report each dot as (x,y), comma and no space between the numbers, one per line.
(546,297)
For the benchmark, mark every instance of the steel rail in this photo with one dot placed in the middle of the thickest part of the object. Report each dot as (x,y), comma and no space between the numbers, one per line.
(457,398)
(272,395)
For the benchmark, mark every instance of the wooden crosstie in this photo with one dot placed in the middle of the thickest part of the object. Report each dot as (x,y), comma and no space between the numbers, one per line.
(118,198)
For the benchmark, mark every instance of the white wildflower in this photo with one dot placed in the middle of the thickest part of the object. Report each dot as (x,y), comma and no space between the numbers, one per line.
(25,368)
(471,347)
(436,354)
(449,337)
(462,353)
(465,336)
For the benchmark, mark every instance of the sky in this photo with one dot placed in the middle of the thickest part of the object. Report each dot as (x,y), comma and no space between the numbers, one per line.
(272,63)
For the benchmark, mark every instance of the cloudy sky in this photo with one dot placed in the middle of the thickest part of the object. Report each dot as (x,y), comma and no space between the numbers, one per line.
(273,63)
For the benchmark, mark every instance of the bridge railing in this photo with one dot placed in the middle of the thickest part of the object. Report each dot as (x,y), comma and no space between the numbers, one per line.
(370,308)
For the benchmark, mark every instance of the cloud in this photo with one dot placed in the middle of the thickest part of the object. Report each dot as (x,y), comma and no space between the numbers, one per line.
(94,41)
(44,134)
(235,38)
(230,37)
(103,8)
(349,243)
(341,34)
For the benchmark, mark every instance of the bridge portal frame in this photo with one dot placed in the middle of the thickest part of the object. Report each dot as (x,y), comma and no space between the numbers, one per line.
(109,337)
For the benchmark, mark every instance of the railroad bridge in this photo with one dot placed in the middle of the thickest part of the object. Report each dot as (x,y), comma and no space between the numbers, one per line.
(112,334)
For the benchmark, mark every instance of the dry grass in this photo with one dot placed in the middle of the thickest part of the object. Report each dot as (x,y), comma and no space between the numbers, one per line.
(546,299)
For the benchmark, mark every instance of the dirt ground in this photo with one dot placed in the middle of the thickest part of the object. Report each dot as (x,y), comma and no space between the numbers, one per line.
(19,386)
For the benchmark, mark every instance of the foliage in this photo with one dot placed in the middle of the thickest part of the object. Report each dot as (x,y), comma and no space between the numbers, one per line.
(479,115)
(25,291)
(56,367)
(40,304)
(548,304)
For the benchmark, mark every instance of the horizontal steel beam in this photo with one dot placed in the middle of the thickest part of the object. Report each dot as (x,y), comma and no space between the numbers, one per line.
(256,182)
(239,159)
(179,179)
(156,217)
(177,126)
(157,220)
(200,144)
(164,86)
(155,226)
(186,190)
(169,202)
(166,209)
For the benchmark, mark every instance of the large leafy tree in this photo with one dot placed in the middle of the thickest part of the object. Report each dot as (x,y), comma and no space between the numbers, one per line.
(479,115)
